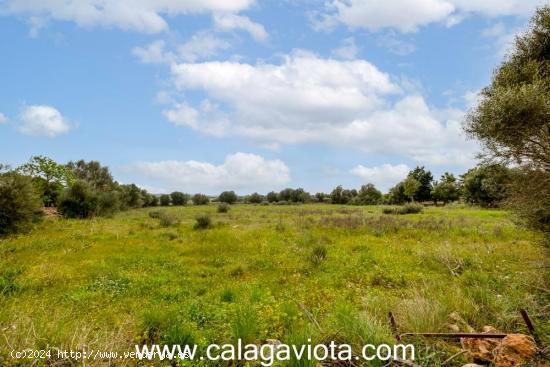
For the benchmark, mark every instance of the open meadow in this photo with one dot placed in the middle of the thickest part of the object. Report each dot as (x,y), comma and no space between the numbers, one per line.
(285,272)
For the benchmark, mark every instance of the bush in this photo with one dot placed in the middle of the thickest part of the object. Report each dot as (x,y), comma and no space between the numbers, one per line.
(203,221)
(200,199)
(168,219)
(165,200)
(155,214)
(179,198)
(228,197)
(223,208)
(20,204)
(78,201)
(410,208)
(108,203)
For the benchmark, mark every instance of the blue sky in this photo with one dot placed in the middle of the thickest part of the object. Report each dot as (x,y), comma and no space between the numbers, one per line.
(249,95)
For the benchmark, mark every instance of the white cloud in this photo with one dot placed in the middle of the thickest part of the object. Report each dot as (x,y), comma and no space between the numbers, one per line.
(42,120)
(307,99)
(383,176)
(503,37)
(396,45)
(201,46)
(347,51)
(229,22)
(409,16)
(242,172)
(3,118)
(138,15)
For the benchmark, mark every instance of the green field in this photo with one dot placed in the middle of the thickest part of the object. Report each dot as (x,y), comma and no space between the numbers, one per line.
(280,272)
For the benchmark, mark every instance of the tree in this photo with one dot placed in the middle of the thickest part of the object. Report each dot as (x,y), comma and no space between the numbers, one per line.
(512,119)
(397,195)
(486,185)
(131,196)
(79,201)
(446,189)
(165,200)
(320,197)
(228,197)
(48,176)
(200,199)
(299,196)
(369,195)
(425,178)
(286,194)
(255,198)
(92,172)
(179,198)
(411,186)
(20,203)
(272,197)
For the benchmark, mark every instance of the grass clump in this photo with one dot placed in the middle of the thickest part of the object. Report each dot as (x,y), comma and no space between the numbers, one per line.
(319,254)
(223,208)
(203,221)
(410,208)
(168,219)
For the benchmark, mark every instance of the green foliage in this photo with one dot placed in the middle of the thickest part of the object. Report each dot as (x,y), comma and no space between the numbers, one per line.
(245,325)
(409,208)
(447,189)
(486,185)
(179,198)
(342,196)
(92,172)
(228,197)
(411,187)
(223,207)
(369,195)
(396,195)
(130,196)
(200,199)
(424,178)
(319,254)
(20,204)
(165,200)
(320,197)
(79,201)
(168,219)
(203,221)
(49,177)
(254,198)
(272,197)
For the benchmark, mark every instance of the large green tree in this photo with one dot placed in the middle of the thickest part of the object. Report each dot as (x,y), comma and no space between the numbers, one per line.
(48,176)
(512,119)
(425,178)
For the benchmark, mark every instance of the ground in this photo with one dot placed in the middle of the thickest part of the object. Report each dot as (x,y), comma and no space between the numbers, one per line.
(260,272)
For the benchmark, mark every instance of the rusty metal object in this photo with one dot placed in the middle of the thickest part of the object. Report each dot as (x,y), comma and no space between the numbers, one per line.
(529,325)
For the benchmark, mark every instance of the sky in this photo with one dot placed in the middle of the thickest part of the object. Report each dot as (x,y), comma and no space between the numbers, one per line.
(249,95)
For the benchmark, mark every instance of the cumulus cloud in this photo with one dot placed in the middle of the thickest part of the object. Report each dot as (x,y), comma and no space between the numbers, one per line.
(229,22)
(347,51)
(383,176)
(139,15)
(242,172)
(409,16)
(308,99)
(3,118)
(42,120)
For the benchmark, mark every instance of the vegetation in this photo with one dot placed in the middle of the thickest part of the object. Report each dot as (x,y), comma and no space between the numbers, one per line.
(20,203)
(200,199)
(179,198)
(165,200)
(228,197)
(331,270)
(223,207)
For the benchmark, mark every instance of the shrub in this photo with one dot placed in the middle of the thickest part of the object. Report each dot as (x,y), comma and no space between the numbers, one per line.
(168,219)
(78,201)
(228,197)
(255,198)
(155,214)
(410,208)
(200,199)
(179,198)
(203,221)
(108,203)
(223,208)
(20,204)
(165,200)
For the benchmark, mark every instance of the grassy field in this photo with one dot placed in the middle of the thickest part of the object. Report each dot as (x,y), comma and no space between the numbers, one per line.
(283,272)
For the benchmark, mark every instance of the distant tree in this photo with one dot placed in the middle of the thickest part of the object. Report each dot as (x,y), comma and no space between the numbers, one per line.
(153,200)
(342,196)
(92,172)
(299,196)
(446,190)
(512,120)
(320,197)
(272,197)
(165,200)
(131,196)
(286,194)
(48,176)
(179,198)
(369,195)
(20,203)
(425,178)
(396,195)
(486,185)
(411,186)
(228,197)
(255,198)
(200,199)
